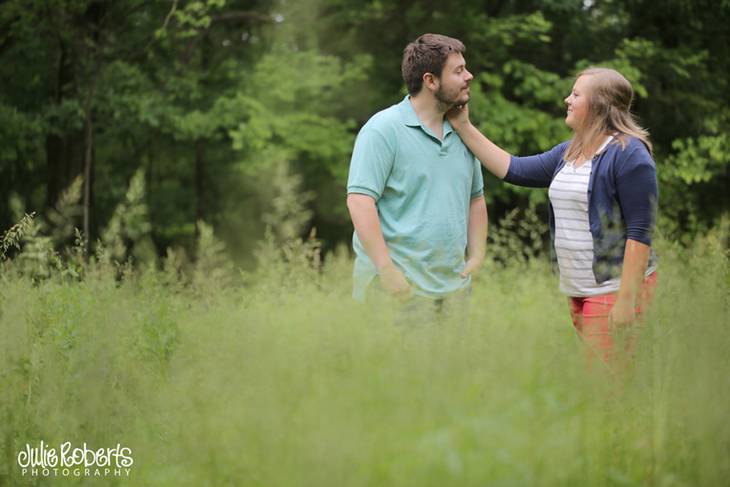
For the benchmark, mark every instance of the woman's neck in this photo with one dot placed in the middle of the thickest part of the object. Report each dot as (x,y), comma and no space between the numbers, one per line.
(590,147)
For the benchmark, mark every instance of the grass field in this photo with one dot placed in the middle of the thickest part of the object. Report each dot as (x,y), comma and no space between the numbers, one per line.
(282,380)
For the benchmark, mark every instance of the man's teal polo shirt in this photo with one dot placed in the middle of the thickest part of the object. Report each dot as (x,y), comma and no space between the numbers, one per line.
(423,187)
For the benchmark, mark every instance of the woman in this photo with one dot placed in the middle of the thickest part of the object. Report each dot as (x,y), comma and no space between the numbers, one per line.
(603,198)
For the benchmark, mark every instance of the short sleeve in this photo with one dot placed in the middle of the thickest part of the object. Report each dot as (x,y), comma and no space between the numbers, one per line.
(371,164)
(477,181)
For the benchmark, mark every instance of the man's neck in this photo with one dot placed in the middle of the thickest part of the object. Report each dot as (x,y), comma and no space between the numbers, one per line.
(430,111)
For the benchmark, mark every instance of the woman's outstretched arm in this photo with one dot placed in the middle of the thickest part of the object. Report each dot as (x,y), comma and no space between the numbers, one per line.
(493,157)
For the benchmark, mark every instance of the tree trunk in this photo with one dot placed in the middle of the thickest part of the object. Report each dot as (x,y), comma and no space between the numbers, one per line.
(200,180)
(62,155)
(200,209)
(92,18)
(88,162)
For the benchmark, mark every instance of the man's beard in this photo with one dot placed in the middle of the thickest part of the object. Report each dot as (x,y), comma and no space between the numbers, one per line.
(448,102)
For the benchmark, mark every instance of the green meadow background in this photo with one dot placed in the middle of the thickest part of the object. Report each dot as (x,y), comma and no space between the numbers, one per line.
(276,377)
(175,262)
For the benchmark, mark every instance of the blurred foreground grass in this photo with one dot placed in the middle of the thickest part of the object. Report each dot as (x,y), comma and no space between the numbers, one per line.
(284,380)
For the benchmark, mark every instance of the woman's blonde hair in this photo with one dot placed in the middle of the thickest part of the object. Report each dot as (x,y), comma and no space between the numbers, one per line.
(609,110)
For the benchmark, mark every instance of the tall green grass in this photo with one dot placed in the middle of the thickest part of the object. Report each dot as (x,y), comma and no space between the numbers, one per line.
(278,378)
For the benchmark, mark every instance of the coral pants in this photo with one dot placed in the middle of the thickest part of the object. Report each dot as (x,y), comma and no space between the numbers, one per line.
(590,319)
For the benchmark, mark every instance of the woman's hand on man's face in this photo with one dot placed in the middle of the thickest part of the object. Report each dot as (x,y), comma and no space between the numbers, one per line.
(458,116)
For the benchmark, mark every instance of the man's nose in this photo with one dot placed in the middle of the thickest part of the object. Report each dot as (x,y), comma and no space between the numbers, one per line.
(469,76)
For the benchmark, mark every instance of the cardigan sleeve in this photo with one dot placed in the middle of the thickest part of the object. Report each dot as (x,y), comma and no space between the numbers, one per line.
(638,193)
(535,171)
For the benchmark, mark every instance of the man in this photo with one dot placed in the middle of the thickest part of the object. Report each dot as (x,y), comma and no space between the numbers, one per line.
(415,192)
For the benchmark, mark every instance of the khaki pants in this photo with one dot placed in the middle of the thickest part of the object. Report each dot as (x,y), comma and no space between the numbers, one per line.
(452,309)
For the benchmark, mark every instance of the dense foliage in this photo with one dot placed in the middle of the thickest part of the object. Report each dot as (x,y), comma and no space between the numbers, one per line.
(243,113)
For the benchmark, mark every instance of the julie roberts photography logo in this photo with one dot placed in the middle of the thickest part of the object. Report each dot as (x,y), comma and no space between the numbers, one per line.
(68,460)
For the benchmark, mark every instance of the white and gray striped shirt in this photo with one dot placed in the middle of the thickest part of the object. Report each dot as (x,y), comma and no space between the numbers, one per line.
(573,239)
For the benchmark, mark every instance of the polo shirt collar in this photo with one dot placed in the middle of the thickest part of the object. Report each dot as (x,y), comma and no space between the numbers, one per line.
(409,114)
(410,118)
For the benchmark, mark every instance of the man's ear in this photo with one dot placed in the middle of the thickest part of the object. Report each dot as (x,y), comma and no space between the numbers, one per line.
(431,81)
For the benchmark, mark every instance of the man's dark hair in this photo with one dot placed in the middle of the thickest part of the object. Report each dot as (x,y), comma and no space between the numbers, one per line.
(427,54)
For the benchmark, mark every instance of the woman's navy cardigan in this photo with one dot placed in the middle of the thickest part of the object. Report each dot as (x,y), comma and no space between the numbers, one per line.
(622,197)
